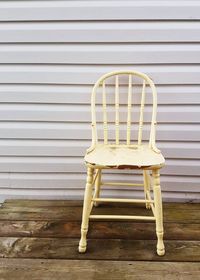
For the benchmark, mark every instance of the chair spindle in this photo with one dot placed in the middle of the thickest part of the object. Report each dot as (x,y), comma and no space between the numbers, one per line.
(117,109)
(105,123)
(129,110)
(141,114)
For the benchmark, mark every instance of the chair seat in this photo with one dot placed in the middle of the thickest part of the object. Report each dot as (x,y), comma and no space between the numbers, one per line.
(124,157)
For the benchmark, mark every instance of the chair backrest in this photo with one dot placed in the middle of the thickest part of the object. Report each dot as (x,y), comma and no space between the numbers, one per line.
(102,84)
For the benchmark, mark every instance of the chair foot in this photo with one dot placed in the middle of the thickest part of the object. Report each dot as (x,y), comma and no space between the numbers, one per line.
(82,249)
(83,241)
(161,252)
(160,244)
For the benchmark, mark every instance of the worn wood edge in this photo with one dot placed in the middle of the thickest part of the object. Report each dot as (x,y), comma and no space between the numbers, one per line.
(88,269)
(98,249)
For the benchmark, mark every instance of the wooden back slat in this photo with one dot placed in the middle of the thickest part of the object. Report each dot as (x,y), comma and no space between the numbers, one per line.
(128,139)
(141,114)
(105,123)
(117,109)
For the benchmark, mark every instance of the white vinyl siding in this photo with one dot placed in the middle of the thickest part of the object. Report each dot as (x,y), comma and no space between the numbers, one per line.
(52,52)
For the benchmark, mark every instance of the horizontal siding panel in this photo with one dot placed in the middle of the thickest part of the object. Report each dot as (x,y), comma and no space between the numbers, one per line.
(100,53)
(78,148)
(139,31)
(70,164)
(68,113)
(80,94)
(31,130)
(98,10)
(65,74)
(77,181)
(180,150)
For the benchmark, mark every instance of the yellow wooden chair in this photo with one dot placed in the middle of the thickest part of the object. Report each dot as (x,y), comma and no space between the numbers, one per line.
(123,154)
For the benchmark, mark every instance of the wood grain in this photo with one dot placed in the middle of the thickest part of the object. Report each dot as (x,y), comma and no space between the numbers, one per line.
(100,230)
(89,269)
(39,240)
(76,269)
(74,213)
(76,203)
(98,249)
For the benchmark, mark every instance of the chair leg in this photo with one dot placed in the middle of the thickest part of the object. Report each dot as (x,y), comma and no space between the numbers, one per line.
(86,210)
(146,187)
(97,187)
(158,212)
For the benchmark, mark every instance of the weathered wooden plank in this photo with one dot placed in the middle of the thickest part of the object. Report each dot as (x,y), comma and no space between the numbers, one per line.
(98,230)
(79,203)
(43,203)
(75,213)
(107,249)
(23,213)
(89,269)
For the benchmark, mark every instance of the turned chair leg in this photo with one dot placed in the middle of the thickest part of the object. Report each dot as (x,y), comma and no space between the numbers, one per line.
(97,187)
(158,212)
(86,210)
(146,187)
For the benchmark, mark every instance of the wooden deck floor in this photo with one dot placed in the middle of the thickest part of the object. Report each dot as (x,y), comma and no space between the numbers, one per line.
(39,240)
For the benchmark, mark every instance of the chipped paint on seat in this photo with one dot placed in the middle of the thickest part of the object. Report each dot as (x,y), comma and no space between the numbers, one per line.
(136,157)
